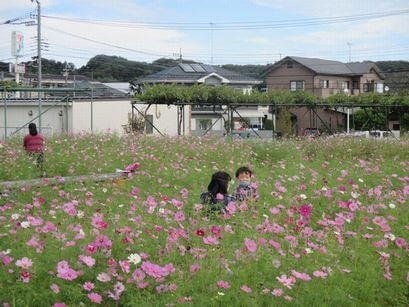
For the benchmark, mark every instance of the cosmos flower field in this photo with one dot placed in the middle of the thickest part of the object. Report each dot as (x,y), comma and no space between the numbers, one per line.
(330,227)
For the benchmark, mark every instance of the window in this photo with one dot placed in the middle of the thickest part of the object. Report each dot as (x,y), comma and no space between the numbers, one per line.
(324,83)
(343,85)
(396,127)
(289,64)
(203,124)
(355,85)
(368,87)
(379,88)
(297,85)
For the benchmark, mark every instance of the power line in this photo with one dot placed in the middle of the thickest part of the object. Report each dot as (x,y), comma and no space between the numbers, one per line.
(103,43)
(237,25)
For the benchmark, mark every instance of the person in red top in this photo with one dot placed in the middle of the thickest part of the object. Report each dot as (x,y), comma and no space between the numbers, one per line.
(34,145)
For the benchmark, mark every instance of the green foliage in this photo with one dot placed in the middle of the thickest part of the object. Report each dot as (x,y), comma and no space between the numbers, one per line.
(8,84)
(284,124)
(203,94)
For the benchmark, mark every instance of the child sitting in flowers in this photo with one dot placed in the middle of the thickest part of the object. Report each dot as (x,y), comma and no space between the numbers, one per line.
(245,190)
(216,196)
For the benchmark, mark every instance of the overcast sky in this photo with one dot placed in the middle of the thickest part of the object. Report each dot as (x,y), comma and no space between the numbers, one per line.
(384,38)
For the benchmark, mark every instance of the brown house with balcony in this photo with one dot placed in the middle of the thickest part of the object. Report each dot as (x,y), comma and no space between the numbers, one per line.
(324,77)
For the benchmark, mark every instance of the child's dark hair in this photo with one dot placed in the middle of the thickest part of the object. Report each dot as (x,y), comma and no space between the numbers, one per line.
(219,183)
(32,129)
(243,169)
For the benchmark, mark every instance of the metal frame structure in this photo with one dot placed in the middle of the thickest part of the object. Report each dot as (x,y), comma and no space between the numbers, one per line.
(231,108)
(67,98)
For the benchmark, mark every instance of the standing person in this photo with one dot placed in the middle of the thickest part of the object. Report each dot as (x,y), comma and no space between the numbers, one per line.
(34,146)
(216,196)
(246,190)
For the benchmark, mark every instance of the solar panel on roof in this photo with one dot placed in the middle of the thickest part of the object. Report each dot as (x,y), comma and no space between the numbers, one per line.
(209,68)
(186,68)
(198,68)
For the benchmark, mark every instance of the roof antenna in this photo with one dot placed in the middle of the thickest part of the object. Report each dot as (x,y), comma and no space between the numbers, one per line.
(349,46)
(180,56)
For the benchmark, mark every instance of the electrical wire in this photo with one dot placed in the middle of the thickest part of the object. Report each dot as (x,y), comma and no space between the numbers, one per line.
(237,25)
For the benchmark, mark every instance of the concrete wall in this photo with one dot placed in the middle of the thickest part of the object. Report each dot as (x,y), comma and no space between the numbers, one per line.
(107,115)
(53,121)
(165,118)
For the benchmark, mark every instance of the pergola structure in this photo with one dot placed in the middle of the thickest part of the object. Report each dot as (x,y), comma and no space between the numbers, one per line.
(232,108)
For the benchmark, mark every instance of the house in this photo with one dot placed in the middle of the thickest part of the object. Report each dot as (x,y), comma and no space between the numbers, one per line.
(324,78)
(100,110)
(209,118)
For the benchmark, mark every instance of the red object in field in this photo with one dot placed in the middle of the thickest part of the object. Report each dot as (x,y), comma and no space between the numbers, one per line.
(34,143)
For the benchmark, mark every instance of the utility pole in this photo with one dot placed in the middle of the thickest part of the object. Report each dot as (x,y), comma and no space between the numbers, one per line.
(211,42)
(39,61)
(349,46)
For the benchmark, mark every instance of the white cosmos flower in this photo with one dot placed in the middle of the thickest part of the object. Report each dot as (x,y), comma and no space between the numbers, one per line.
(355,195)
(392,206)
(80,214)
(303,196)
(15,216)
(308,250)
(360,180)
(390,236)
(25,224)
(134,258)
(220,293)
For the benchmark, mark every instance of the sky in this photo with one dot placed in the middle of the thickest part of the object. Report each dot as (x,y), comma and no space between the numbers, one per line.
(212,31)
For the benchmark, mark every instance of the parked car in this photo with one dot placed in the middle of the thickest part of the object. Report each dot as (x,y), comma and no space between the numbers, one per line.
(312,132)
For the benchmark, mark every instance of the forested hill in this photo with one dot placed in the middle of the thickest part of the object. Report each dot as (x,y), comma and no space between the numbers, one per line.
(113,68)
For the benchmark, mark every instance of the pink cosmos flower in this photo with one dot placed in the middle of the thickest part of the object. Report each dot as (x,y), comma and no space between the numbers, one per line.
(219,196)
(138,275)
(59,305)
(250,245)
(55,288)
(305,210)
(246,289)
(88,286)
(24,263)
(400,242)
(286,281)
(87,260)
(153,270)
(320,274)
(223,284)
(103,277)
(25,276)
(95,297)
(6,259)
(210,240)
(125,266)
(231,208)
(302,276)
(194,268)
(277,292)
(179,216)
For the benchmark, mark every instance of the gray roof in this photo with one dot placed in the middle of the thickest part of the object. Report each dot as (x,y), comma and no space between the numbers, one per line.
(329,67)
(191,73)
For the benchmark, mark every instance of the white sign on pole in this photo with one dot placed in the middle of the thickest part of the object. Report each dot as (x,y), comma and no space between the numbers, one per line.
(17,68)
(17,44)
